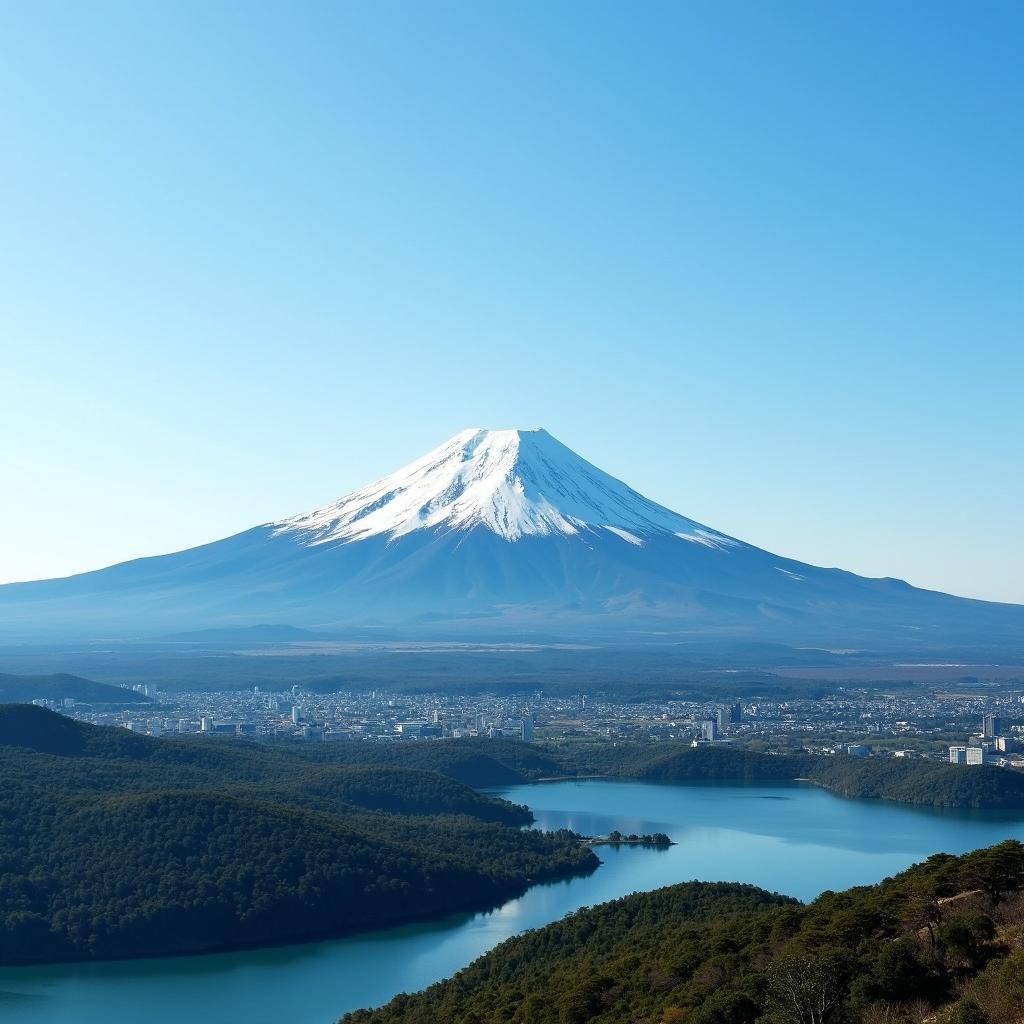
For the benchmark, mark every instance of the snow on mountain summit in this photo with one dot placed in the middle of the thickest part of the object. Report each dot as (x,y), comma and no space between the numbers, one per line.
(515,483)
(501,535)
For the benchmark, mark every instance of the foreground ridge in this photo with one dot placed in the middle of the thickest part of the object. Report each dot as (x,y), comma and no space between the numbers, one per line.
(942,940)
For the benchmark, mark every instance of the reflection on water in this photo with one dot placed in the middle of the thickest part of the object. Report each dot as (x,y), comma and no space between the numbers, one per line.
(795,839)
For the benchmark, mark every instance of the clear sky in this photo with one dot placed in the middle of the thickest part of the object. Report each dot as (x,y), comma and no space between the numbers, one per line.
(763,261)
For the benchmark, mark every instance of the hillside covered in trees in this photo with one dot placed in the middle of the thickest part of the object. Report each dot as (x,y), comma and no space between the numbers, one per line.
(942,942)
(62,686)
(483,762)
(118,845)
(114,844)
(923,783)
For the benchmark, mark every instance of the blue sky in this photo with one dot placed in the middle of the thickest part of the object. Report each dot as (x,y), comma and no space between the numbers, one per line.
(762,261)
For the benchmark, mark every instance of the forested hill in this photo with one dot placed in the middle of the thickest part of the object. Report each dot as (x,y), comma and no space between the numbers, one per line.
(293,772)
(477,762)
(483,762)
(927,783)
(116,845)
(62,686)
(924,783)
(942,942)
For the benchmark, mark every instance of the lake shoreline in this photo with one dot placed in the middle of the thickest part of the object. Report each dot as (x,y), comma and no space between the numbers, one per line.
(470,907)
(781,836)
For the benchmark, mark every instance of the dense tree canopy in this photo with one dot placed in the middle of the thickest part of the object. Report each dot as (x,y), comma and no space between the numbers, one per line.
(944,936)
(60,686)
(115,845)
(481,762)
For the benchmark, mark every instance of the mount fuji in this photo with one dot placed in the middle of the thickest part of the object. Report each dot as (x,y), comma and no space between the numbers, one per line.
(501,533)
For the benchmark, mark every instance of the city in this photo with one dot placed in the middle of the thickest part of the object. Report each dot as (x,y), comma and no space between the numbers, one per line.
(962,728)
(512,512)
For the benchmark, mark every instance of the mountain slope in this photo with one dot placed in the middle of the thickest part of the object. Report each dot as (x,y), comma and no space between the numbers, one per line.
(25,689)
(942,936)
(499,533)
(514,483)
(116,845)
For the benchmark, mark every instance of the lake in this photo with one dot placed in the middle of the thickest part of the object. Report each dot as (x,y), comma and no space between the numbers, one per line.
(794,838)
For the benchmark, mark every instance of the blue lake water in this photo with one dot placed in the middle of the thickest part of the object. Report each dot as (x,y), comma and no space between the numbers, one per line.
(795,839)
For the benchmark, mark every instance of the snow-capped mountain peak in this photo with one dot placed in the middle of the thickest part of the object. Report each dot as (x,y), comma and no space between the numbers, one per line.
(515,483)
(501,535)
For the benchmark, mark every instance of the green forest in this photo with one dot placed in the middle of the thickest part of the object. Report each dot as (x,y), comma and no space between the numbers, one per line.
(924,783)
(60,685)
(942,942)
(114,844)
(483,762)
(118,845)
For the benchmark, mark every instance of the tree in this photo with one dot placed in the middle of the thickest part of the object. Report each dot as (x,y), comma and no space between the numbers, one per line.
(968,1012)
(997,870)
(806,988)
(928,919)
(898,972)
(966,934)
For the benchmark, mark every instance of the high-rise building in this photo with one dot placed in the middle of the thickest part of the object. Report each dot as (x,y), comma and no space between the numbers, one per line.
(736,713)
(296,714)
(975,755)
(991,725)
(709,730)
(722,719)
(526,730)
(958,755)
